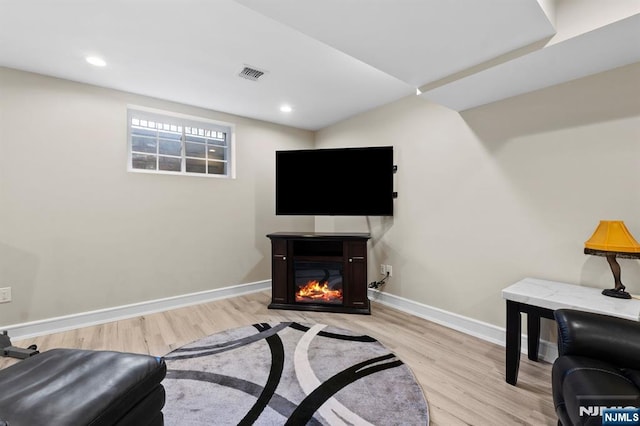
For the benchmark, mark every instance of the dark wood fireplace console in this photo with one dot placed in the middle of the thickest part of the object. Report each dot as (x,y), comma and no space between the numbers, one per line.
(347,250)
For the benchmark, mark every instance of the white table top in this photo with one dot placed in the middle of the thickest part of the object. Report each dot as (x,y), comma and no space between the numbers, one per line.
(555,295)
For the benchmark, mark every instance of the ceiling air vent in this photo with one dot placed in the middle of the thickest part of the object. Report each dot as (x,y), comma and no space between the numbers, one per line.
(251,73)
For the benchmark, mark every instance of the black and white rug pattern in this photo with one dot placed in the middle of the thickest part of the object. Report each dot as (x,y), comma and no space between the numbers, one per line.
(290,374)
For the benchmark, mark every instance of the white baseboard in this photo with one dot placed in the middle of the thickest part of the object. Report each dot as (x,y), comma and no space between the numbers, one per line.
(548,351)
(86,319)
(485,331)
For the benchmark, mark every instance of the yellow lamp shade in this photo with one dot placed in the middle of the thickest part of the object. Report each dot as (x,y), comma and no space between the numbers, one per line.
(612,236)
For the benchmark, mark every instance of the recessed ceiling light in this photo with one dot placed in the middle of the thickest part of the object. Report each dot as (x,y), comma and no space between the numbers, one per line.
(95,60)
(286,108)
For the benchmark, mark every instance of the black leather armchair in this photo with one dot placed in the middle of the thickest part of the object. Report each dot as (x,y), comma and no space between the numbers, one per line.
(598,365)
(81,387)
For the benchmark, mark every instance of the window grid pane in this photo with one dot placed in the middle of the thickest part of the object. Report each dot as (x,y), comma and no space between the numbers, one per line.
(195,166)
(216,167)
(170,164)
(192,149)
(143,161)
(215,152)
(170,147)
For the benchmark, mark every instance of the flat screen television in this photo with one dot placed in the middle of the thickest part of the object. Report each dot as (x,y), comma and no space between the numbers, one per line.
(335,182)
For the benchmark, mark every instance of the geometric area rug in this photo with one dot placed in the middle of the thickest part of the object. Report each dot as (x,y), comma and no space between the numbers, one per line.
(290,373)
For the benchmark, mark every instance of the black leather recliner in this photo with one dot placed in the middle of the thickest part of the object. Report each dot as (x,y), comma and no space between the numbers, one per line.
(598,365)
(82,387)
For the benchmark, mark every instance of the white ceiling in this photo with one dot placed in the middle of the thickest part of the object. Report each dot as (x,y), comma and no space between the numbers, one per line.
(604,48)
(328,59)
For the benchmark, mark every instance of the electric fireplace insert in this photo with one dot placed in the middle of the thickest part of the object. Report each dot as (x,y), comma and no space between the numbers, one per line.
(318,282)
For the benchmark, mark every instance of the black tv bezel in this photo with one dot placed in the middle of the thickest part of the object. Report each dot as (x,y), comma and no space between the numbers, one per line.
(384,208)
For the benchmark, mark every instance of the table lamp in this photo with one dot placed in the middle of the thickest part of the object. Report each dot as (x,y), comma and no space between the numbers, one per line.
(612,239)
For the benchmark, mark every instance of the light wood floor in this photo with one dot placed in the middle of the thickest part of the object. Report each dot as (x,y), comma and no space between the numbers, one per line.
(462,376)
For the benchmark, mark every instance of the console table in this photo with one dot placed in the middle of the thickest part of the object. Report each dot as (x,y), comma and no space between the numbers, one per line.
(539,298)
(346,249)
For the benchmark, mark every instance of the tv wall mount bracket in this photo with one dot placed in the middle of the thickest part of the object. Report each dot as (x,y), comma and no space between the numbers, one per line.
(395,170)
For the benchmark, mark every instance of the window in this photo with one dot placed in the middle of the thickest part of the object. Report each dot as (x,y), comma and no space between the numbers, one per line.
(171,143)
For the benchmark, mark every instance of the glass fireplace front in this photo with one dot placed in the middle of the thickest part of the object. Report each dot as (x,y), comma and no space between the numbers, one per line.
(318,282)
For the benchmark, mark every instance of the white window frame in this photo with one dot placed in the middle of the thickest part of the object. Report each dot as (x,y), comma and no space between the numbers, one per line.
(183,122)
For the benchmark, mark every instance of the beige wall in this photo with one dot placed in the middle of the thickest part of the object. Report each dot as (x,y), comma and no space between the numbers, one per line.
(502,192)
(486,197)
(78,232)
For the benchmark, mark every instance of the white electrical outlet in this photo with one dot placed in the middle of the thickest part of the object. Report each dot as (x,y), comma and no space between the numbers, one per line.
(383,269)
(5,294)
(389,269)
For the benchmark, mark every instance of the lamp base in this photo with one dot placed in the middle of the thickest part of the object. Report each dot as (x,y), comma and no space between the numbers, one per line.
(620,294)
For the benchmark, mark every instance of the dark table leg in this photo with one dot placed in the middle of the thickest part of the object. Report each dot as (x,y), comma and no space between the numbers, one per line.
(533,335)
(513,342)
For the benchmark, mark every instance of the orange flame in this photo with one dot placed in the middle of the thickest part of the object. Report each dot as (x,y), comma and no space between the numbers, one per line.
(315,291)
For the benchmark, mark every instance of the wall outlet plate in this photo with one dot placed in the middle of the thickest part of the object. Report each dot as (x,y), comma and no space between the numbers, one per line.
(383,269)
(5,294)
(389,269)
